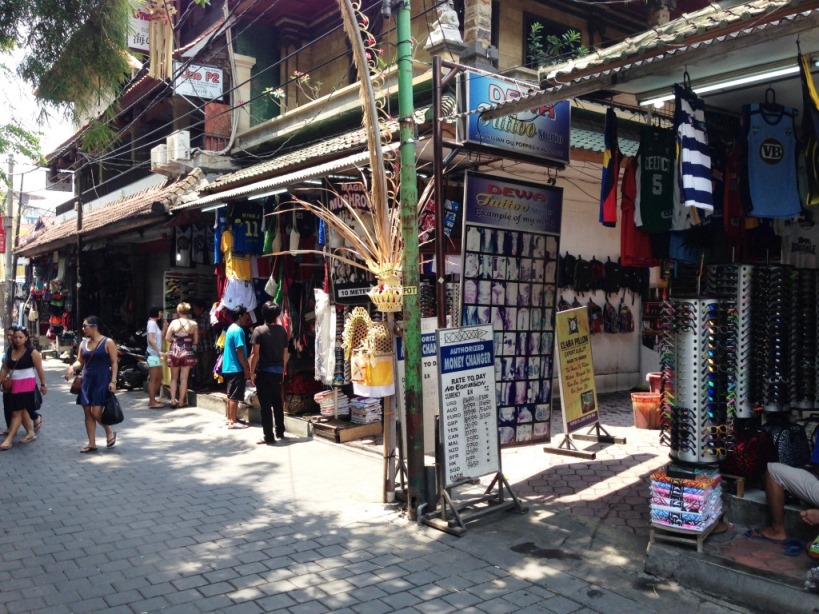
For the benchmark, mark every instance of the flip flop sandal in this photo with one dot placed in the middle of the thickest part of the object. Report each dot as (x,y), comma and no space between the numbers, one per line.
(28,439)
(38,423)
(813,549)
(110,443)
(795,547)
(758,535)
(3,448)
(87,450)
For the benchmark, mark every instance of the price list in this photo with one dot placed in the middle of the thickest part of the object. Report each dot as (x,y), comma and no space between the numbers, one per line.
(468,412)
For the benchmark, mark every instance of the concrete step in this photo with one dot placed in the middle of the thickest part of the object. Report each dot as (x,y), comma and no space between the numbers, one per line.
(752,511)
(729,580)
(215,402)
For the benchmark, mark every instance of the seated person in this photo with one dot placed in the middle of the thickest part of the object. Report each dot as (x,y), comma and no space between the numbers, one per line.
(800,483)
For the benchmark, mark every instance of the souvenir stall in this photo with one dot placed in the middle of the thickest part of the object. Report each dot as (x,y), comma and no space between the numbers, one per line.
(48,306)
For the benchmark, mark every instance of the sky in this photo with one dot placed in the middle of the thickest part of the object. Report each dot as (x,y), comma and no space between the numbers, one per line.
(18,105)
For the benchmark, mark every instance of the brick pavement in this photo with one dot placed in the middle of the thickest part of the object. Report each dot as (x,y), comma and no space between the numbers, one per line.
(185,516)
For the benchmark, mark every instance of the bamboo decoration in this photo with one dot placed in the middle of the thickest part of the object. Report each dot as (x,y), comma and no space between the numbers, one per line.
(160,39)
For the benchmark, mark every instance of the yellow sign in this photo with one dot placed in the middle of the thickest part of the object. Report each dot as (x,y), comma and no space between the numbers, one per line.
(577,392)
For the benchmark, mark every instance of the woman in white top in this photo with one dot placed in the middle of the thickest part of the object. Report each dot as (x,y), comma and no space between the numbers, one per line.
(154,355)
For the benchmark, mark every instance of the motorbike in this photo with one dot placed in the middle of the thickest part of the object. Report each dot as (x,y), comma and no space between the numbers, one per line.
(132,367)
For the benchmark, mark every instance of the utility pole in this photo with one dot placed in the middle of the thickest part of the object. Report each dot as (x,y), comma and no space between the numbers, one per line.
(13,242)
(413,395)
(7,227)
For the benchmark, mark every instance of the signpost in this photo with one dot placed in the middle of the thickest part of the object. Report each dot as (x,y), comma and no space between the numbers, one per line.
(469,445)
(578,393)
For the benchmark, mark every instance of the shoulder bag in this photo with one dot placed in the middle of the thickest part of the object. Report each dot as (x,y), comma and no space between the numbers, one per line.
(76,385)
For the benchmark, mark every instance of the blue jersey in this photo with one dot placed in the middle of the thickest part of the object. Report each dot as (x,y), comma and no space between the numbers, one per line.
(246,223)
(771,154)
(218,229)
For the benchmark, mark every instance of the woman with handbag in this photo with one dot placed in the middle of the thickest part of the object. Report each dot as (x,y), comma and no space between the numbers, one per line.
(98,360)
(21,366)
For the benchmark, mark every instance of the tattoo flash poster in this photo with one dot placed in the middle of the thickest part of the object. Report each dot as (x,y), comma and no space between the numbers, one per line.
(510,238)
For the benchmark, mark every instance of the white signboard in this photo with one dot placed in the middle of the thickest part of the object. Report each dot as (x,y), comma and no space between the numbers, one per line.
(198,81)
(429,384)
(138,32)
(469,423)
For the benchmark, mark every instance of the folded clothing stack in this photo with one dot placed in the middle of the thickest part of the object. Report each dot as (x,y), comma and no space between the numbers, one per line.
(328,407)
(365,410)
(693,504)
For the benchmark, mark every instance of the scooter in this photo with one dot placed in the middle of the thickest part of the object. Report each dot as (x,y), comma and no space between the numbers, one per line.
(132,368)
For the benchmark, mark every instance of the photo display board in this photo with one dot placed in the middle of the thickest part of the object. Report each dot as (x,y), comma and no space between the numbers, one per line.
(468,422)
(577,389)
(509,281)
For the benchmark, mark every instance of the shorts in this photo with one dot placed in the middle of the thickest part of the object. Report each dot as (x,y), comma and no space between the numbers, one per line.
(799,482)
(235,386)
(153,360)
(239,293)
(186,359)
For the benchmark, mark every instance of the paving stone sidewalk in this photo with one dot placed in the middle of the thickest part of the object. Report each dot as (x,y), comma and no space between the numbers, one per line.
(186,516)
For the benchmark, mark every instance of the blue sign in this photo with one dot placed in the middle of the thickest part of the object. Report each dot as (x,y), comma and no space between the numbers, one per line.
(492,201)
(541,132)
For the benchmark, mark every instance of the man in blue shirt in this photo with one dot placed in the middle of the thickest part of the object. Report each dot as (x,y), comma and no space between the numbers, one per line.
(235,366)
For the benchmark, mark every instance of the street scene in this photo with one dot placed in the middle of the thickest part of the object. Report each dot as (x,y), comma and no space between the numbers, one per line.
(409,305)
(183,516)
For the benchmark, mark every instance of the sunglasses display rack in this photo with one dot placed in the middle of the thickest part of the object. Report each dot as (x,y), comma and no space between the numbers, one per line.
(733,282)
(771,314)
(802,342)
(699,378)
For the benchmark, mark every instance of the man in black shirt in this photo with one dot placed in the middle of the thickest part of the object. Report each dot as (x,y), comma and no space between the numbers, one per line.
(268,359)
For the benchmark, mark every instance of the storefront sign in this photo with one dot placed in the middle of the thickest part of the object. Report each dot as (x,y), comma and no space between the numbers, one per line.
(140,24)
(429,381)
(509,273)
(542,132)
(351,293)
(350,283)
(468,423)
(2,240)
(198,81)
(578,394)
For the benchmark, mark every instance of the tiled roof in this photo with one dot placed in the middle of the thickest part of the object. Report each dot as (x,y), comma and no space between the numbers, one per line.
(134,211)
(677,34)
(348,143)
(592,140)
(636,55)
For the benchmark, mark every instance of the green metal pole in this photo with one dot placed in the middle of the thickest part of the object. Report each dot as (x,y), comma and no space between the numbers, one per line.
(413,397)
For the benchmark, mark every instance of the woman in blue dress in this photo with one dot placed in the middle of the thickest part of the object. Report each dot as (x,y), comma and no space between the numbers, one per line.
(98,360)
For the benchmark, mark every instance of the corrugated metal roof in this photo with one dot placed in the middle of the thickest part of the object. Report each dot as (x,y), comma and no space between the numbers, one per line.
(133,211)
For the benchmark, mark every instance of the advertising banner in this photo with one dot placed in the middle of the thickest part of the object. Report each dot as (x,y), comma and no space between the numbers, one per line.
(198,81)
(468,420)
(349,284)
(577,390)
(509,280)
(429,384)
(542,132)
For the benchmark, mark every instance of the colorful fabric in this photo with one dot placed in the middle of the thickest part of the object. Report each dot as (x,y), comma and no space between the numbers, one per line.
(611,172)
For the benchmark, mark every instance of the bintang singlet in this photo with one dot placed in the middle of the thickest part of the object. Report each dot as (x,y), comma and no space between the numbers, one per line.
(656,184)
(771,151)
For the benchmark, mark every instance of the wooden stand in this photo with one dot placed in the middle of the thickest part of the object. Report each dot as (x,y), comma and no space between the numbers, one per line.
(342,432)
(661,532)
(738,481)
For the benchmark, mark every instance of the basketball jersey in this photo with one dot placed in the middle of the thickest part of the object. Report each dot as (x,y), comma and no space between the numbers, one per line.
(611,172)
(200,244)
(219,225)
(246,222)
(656,186)
(771,151)
(635,245)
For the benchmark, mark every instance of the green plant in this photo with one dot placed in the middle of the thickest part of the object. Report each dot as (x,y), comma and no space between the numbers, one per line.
(553,49)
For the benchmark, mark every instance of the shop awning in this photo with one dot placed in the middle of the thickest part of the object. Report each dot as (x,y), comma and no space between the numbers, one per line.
(145,208)
(711,44)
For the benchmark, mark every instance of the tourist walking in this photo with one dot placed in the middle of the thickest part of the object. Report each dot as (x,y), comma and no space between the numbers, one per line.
(97,359)
(22,365)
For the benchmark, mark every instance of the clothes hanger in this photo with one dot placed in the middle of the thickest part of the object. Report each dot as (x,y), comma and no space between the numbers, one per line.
(770,105)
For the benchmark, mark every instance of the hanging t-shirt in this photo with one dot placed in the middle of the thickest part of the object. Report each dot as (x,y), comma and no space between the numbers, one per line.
(694,154)
(800,240)
(200,244)
(771,151)
(246,222)
(237,266)
(184,240)
(611,172)
(635,245)
(219,225)
(656,186)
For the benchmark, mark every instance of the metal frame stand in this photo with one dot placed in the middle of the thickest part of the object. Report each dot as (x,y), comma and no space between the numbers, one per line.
(601,435)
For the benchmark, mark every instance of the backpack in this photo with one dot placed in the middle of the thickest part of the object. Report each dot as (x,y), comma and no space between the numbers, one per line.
(625,319)
(613,279)
(595,317)
(598,274)
(575,303)
(611,322)
(563,304)
(790,441)
(582,276)
(635,279)
(753,450)
(565,270)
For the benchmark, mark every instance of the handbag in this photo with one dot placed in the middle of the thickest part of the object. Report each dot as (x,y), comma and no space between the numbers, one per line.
(790,441)
(7,382)
(753,450)
(111,411)
(38,399)
(76,385)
